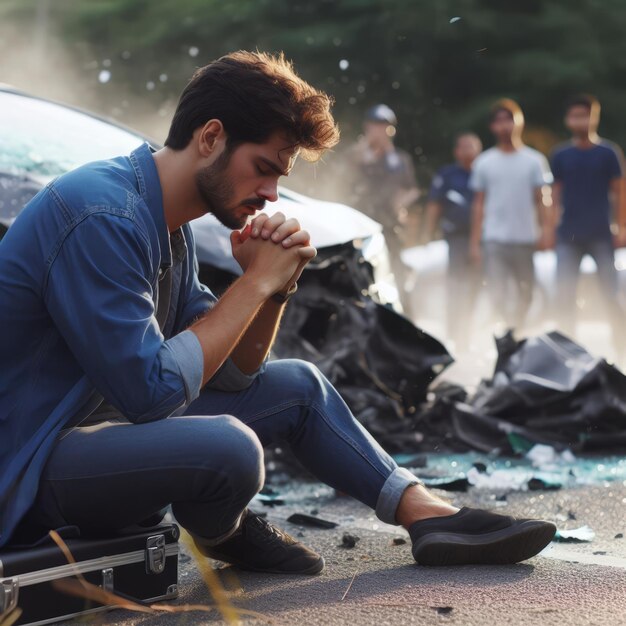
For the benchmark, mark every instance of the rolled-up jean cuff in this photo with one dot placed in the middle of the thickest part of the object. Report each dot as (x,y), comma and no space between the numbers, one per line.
(390,494)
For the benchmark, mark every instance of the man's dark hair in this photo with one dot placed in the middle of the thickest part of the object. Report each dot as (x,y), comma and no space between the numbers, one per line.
(255,94)
(585,100)
(508,106)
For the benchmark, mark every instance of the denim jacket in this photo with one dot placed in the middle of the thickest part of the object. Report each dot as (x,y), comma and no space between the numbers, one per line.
(79,272)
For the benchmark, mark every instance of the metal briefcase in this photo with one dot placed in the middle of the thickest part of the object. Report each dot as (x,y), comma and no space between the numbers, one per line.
(141,566)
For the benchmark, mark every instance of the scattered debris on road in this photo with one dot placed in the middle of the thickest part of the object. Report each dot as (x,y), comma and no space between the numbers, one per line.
(349,540)
(302,519)
(584,534)
(443,610)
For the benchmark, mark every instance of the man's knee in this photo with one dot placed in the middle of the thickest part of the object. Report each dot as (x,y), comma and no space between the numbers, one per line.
(227,445)
(302,377)
(245,451)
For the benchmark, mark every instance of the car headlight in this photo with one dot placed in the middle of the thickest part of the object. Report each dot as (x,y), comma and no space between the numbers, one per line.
(375,252)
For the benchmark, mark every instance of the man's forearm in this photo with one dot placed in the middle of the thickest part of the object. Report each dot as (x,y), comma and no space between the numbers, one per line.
(408,196)
(546,217)
(433,213)
(257,341)
(544,210)
(226,323)
(546,220)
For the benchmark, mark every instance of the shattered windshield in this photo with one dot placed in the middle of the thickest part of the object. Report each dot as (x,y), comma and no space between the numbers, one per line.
(42,140)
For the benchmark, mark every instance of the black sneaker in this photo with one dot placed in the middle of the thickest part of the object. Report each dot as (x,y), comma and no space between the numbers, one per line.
(474,536)
(261,547)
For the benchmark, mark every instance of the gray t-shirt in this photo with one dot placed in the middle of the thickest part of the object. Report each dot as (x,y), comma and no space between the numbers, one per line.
(509,180)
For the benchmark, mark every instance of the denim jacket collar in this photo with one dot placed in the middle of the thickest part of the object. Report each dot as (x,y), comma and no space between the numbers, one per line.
(150,189)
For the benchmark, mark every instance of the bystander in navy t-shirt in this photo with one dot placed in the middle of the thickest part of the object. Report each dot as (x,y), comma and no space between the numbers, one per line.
(585,176)
(450,188)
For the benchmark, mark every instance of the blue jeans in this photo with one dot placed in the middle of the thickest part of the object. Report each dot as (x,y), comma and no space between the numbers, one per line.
(569,256)
(208,463)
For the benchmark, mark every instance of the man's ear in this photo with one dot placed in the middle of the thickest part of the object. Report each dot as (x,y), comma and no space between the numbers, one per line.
(211,135)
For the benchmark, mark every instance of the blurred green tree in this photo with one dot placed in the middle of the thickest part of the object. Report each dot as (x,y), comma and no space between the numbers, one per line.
(437,63)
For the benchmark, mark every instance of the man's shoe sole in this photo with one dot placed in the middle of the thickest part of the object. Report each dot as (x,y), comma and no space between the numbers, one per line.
(316,568)
(509,545)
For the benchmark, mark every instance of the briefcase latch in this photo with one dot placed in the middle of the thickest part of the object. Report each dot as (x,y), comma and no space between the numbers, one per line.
(107,580)
(155,554)
(9,591)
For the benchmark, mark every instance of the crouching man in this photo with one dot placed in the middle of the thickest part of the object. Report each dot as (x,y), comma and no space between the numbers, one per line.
(126,386)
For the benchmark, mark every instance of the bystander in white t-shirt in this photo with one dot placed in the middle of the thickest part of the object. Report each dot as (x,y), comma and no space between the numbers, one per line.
(509,180)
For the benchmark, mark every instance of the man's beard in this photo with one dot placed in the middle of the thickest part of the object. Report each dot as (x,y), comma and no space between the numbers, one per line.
(217,191)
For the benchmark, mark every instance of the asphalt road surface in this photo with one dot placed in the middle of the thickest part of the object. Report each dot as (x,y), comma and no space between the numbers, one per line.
(377,582)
